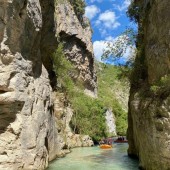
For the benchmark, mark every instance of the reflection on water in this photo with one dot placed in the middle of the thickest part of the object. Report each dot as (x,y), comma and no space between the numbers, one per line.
(94,158)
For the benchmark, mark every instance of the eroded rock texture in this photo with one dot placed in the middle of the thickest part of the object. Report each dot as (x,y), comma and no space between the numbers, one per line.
(29,137)
(66,138)
(78,45)
(149,105)
(27,124)
(110,122)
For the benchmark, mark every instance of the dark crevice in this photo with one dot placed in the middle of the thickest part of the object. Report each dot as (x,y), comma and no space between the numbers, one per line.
(65,146)
(8,114)
(2,91)
(12,74)
(133,156)
(46,143)
(65,36)
(48,40)
(51,109)
(23,9)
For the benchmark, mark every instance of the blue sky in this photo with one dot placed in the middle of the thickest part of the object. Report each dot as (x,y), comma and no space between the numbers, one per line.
(108,19)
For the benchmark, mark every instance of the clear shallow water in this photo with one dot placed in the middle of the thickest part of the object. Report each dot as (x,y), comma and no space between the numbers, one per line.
(94,158)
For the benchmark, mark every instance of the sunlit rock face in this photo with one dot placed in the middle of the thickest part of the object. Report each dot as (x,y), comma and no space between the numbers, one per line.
(78,45)
(110,122)
(149,104)
(79,50)
(27,124)
(29,134)
(66,138)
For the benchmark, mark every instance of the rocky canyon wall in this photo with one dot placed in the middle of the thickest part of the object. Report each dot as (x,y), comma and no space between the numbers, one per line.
(149,104)
(29,133)
(78,46)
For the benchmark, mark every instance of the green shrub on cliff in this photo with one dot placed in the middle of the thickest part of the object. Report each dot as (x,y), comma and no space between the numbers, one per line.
(63,69)
(79,8)
(161,87)
(89,113)
(111,84)
(134,11)
(88,117)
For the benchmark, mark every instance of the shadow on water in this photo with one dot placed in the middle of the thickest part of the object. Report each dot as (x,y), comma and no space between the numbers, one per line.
(96,158)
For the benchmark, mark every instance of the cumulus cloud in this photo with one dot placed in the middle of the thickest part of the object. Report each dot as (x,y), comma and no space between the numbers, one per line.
(91,11)
(109,38)
(108,19)
(99,47)
(130,51)
(102,45)
(92,1)
(124,5)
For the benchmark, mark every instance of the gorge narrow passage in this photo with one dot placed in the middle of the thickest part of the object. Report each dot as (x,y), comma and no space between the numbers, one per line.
(95,158)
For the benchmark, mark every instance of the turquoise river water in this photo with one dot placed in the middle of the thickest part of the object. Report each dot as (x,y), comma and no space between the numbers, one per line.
(94,158)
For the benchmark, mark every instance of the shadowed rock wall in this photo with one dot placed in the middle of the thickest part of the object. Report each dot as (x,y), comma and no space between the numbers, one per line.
(29,137)
(149,103)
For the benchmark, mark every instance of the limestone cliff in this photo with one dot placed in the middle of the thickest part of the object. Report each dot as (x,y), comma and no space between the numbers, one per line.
(79,50)
(149,111)
(29,136)
(111,122)
(78,45)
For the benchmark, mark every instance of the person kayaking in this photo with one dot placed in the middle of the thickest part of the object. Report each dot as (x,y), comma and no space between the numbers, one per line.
(105,141)
(101,142)
(105,144)
(121,139)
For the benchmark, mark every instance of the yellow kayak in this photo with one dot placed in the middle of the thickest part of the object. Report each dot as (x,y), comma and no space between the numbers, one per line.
(105,146)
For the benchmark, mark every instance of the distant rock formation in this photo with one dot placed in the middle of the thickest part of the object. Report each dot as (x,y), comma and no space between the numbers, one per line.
(111,122)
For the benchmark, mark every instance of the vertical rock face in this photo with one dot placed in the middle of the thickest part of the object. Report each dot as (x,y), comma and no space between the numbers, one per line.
(66,139)
(78,45)
(79,50)
(111,122)
(27,126)
(28,36)
(149,104)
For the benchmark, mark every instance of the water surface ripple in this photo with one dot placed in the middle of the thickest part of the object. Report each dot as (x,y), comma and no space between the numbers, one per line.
(94,158)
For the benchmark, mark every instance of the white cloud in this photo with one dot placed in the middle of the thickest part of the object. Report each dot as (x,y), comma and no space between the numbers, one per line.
(124,5)
(108,19)
(103,31)
(130,53)
(92,1)
(99,47)
(91,11)
(109,38)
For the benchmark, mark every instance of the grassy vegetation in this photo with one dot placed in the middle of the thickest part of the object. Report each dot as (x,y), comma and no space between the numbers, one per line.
(79,8)
(89,113)
(89,116)
(161,87)
(63,69)
(134,11)
(138,13)
(109,83)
